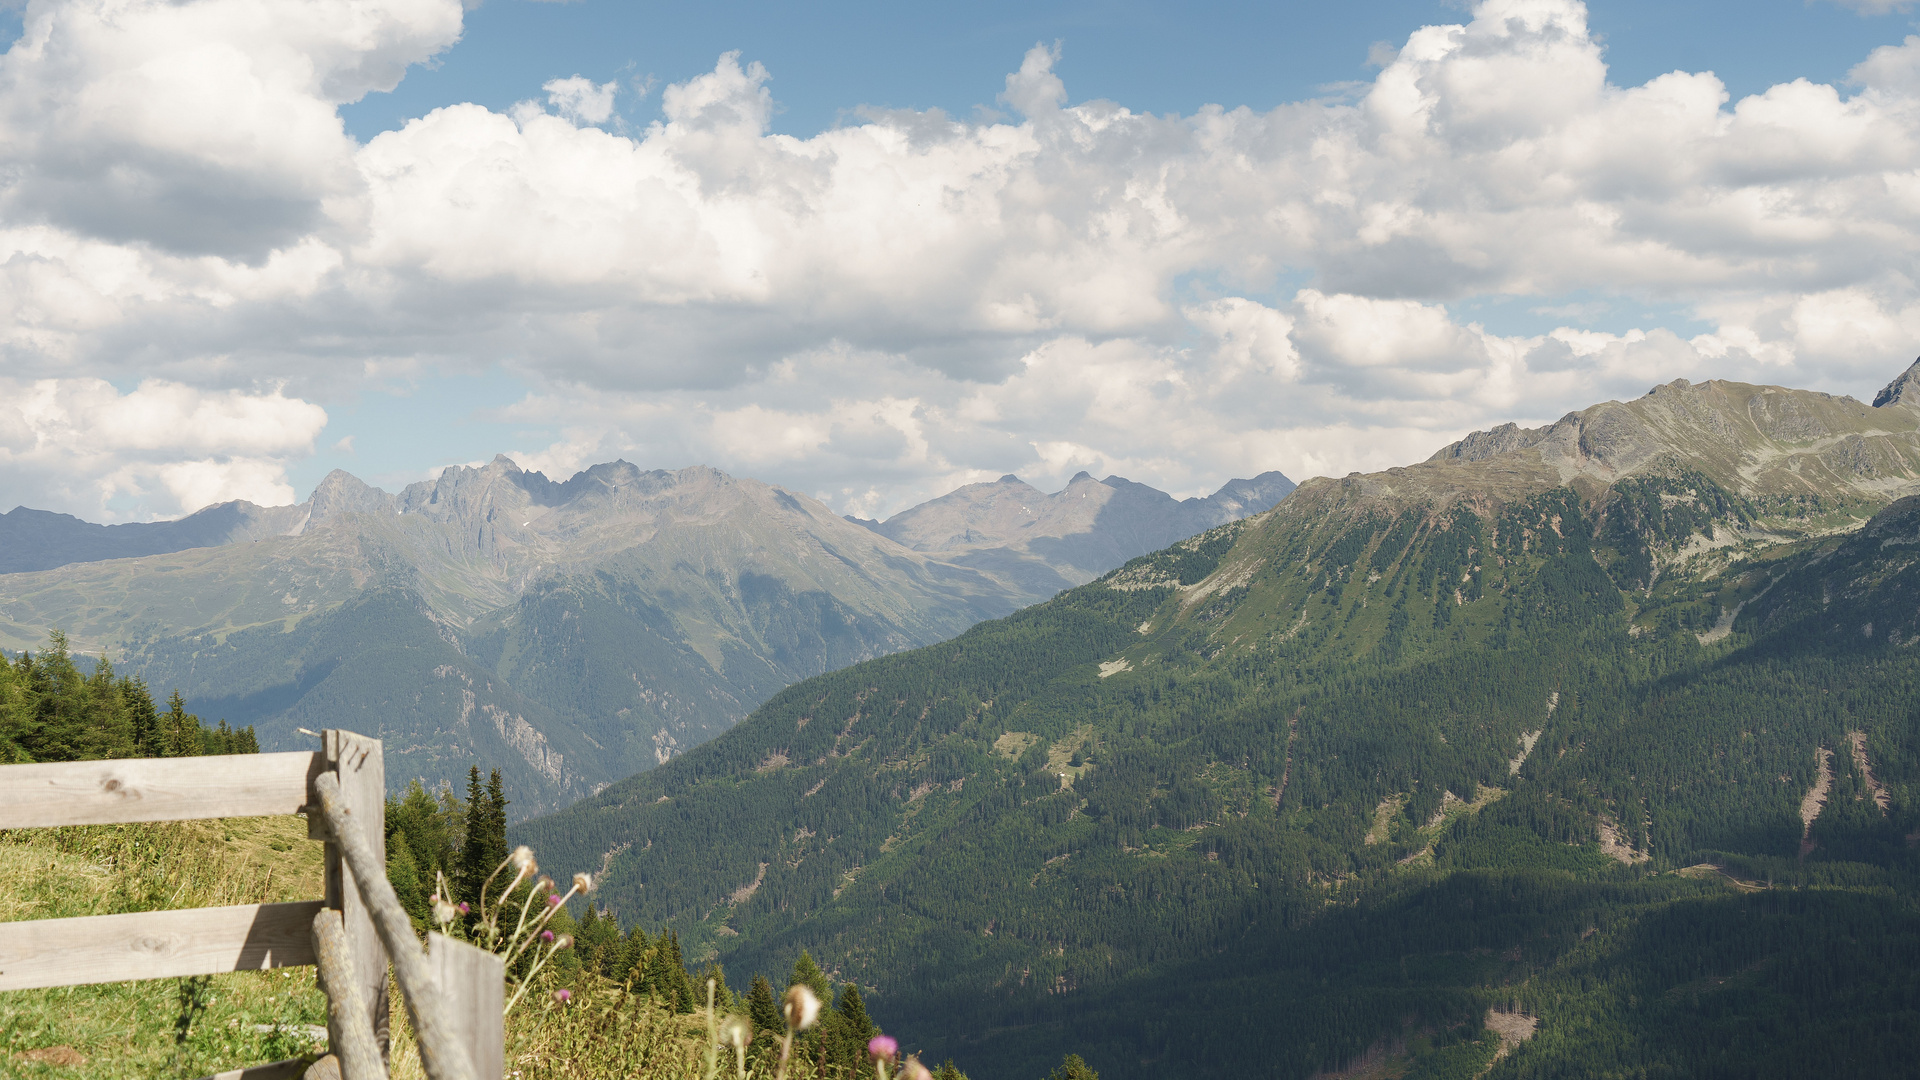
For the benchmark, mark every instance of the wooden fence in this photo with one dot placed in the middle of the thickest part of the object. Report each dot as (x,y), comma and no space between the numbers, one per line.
(453,991)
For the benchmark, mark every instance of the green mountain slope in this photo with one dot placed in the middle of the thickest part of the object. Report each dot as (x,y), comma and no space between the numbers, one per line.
(1533,724)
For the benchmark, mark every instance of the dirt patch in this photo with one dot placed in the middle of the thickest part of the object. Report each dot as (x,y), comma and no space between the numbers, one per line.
(1527,741)
(1513,1028)
(1383,818)
(1711,870)
(775,760)
(1815,799)
(745,892)
(1860,762)
(1114,667)
(1286,770)
(54,1055)
(1014,743)
(1380,1061)
(1615,845)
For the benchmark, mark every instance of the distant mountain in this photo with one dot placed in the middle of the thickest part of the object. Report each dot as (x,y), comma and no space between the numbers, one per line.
(42,540)
(573,632)
(1046,543)
(1602,732)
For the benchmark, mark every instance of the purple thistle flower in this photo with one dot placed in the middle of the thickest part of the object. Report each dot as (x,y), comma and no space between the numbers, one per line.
(463,907)
(562,996)
(546,935)
(883,1047)
(553,900)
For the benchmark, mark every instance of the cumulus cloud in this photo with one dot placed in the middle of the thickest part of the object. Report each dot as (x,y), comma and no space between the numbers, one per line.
(887,308)
(83,447)
(581,99)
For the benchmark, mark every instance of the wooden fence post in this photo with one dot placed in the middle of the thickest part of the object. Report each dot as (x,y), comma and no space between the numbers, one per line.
(362,772)
(473,983)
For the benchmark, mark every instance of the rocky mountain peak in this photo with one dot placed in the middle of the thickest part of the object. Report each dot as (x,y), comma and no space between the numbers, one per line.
(1906,388)
(341,492)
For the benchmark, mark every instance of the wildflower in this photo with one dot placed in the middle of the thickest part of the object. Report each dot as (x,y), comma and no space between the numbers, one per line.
(562,996)
(546,935)
(464,909)
(553,900)
(443,912)
(565,941)
(522,860)
(583,883)
(913,1070)
(736,1031)
(801,1007)
(883,1047)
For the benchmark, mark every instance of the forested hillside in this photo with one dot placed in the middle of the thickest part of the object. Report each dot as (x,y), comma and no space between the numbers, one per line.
(1587,748)
(51,710)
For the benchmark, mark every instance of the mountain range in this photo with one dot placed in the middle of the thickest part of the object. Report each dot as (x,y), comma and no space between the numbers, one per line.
(571,633)
(1588,749)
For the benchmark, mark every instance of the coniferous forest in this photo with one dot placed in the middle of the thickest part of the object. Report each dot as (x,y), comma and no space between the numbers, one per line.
(51,710)
(1495,784)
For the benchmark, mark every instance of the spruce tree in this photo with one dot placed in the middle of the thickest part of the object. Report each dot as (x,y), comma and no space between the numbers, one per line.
(760,1007)
(142,716)
(1072,1068)
(403,873)
(630,960)
(949,1072)
(808,972)
(474,848)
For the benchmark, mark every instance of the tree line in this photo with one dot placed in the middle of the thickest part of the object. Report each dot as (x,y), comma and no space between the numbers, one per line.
(52,710)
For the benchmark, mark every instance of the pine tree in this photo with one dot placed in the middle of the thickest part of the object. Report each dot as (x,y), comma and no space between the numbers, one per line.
(474,848)
(1072,1068)
(630,960)
(142,716)
(403,873)
(808,972)
(760,1007)
(676,965)
(181,729)
(947,1071)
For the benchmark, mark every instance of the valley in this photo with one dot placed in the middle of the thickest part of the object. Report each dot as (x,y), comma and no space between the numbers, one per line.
(1352,773)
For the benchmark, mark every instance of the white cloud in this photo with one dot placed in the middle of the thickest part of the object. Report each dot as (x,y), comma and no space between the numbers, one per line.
(581,99)
(81,446)
(890,307)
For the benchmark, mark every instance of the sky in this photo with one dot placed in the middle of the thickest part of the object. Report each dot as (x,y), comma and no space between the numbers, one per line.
(873,252)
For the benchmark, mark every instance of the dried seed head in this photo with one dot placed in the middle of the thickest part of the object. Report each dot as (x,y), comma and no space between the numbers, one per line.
(800,1007)
(564,941)
(522,860)
(444,913)
(913,1070)
(583,882)
(736,1031)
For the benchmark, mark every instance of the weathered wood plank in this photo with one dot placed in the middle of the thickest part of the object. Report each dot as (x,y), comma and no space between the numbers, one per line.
(473,983)
(156,789)
(360,767)
(290,1069)
(155,944)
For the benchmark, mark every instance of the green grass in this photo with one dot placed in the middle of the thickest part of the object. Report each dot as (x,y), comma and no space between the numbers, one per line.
(129,1029)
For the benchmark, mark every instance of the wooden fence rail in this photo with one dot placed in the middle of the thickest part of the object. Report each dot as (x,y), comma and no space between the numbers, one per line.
(453,993)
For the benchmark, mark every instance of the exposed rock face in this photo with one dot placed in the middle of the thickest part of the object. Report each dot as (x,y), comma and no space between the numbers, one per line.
(1900,389)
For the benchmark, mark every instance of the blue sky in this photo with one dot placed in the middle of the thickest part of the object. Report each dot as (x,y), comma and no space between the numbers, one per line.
(828,60)
(892,249)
